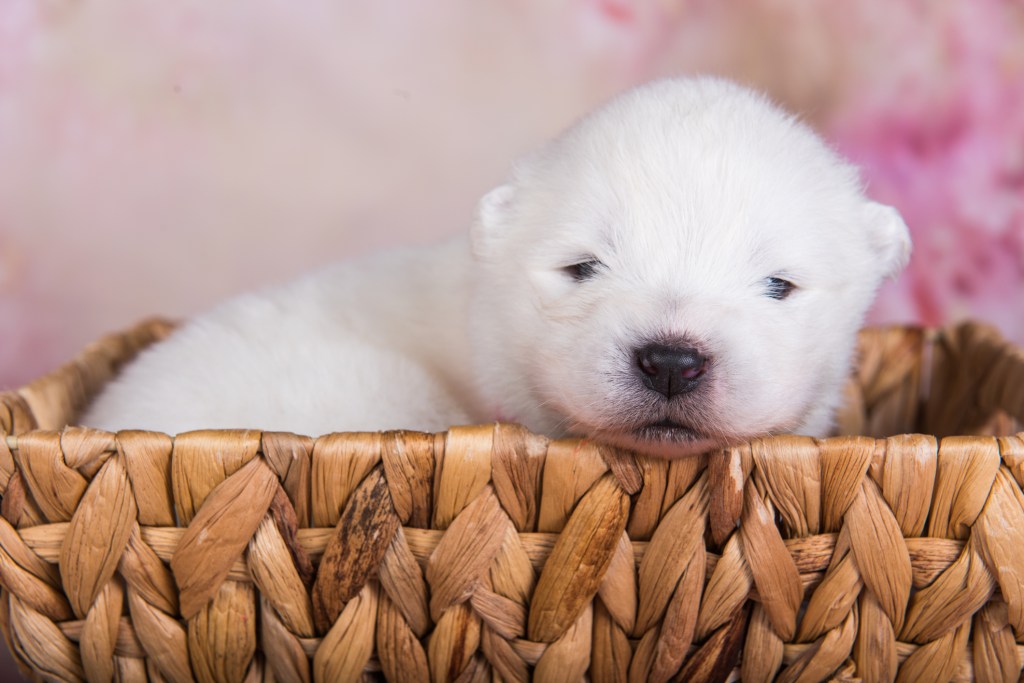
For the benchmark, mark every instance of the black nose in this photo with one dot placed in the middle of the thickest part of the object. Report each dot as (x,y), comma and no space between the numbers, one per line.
(671,370)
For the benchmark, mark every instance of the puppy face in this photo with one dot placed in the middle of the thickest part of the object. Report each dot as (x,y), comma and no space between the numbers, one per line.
(685,268)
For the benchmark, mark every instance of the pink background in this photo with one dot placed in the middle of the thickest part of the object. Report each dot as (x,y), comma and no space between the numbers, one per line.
(156,157)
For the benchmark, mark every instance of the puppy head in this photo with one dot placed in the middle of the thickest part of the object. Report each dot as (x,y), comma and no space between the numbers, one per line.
(684,268)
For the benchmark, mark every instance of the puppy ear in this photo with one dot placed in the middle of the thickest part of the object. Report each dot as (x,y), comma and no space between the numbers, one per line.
(889,237)
(491,217)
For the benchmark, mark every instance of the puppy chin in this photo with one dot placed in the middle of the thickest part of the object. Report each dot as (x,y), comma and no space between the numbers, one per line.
(659,441)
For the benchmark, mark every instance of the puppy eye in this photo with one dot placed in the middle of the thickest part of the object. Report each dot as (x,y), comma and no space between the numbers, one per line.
(584,270)
(778,289)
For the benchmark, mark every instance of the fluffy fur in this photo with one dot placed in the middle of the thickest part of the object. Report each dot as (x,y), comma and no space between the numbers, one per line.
(683,197)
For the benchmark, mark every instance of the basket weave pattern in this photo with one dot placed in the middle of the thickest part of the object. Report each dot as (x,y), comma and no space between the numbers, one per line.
(489,553)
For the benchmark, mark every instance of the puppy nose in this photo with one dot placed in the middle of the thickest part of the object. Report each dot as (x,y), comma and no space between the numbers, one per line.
(671,370)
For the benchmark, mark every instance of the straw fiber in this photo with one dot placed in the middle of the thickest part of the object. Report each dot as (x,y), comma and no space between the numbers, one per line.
(488,553)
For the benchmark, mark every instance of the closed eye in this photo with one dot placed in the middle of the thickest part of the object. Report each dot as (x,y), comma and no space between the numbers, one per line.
(777,288)
(584,270)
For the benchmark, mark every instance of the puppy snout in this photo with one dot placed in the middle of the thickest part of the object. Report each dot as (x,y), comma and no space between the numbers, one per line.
(671,370)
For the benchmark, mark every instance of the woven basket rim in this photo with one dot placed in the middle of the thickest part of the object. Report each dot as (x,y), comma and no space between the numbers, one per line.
(488,548)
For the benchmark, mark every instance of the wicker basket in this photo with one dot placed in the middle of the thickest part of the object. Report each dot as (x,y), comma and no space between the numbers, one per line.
(490,554)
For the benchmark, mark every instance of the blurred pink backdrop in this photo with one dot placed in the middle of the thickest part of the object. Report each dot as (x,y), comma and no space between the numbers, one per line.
(158,157)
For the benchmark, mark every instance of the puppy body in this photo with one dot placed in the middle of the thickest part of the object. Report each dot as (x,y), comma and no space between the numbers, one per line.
(370,345)
(671,221)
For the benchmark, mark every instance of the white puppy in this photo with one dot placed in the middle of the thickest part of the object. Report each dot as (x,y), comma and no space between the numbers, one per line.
(685,267)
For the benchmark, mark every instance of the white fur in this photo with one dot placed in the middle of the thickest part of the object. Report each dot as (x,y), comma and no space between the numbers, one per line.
(690,192)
